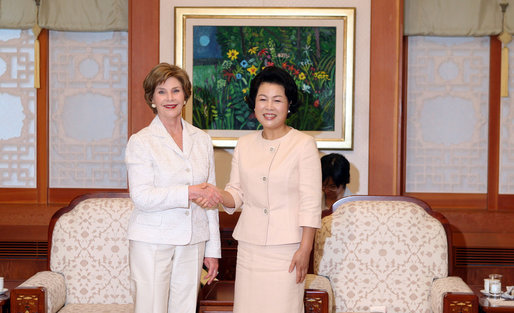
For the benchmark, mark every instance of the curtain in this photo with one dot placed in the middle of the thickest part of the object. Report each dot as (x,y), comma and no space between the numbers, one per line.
(66,15)
(20,14)
(456,17)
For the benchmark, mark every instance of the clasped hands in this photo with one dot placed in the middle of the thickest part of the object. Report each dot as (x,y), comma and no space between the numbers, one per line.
(205,195)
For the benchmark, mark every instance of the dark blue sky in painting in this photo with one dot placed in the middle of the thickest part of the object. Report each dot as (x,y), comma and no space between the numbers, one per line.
(205,45)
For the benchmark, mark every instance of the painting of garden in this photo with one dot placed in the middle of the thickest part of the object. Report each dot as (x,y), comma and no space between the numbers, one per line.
(226,58)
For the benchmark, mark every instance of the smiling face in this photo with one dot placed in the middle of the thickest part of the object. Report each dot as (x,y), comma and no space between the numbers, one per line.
(271,105)
(169,98)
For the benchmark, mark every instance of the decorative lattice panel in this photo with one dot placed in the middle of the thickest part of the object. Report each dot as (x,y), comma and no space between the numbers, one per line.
(447,114)
(507,133)
(88,109)
(17,109)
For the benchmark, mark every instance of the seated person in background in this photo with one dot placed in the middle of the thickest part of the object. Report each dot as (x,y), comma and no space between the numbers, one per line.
(335,171)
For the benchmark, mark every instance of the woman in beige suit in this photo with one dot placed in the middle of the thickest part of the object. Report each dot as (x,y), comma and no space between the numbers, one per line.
(169,165)
(276,181)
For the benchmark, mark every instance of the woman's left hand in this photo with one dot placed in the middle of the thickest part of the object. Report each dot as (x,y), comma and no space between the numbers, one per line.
(300,261)
(212,266)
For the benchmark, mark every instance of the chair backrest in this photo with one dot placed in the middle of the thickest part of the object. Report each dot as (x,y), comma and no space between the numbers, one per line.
(89,246)
(381,251)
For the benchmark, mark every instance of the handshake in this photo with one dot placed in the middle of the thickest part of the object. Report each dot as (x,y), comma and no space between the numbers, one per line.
(206,195)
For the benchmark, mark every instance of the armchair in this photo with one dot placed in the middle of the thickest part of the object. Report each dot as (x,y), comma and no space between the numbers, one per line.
(88,269)
(388,254)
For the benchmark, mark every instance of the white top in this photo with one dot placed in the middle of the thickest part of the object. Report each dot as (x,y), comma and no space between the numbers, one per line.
(159,175)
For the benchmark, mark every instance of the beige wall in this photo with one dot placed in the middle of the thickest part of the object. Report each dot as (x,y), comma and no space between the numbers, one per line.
(358,157)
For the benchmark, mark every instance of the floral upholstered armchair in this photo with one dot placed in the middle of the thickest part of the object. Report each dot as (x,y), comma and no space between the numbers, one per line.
(88,260)
(388,254)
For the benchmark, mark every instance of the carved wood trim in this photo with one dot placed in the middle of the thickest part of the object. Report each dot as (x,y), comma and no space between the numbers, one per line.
(28,300)
(460,303)
(315,301)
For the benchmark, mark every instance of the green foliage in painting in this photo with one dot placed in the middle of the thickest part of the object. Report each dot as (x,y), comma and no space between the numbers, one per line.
(222,75)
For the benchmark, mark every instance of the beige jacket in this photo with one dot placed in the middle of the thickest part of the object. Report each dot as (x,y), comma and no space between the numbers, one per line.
(159,175)
(277,184)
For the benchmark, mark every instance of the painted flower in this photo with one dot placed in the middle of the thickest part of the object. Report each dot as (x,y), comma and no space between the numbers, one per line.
(306,88)
(226,64)
(239,76)
(244,64)
(301,76)
(252,70)
(228,75)
(263,52)
(232,54)
(253,50)
(316,103)
(321,75)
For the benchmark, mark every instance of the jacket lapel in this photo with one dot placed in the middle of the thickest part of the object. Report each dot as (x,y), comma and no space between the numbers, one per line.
(188,138)
(160,131)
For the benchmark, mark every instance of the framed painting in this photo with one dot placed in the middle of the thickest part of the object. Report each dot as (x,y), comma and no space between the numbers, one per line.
(223,48)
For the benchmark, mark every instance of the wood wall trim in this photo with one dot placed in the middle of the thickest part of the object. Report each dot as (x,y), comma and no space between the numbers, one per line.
(65,195)
(385,86)
(493,157)
(42,119)
(506,202)
(473,201)
(143,56)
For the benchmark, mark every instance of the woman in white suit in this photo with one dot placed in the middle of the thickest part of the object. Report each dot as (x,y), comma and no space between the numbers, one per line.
(169,165)
(276,181)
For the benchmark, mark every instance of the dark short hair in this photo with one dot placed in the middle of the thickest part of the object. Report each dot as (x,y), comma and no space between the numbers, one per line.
(337,167)
(158,75)
(279,76)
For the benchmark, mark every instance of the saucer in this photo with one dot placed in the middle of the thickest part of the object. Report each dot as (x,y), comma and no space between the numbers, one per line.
(485,293)
(3,291)
(507,296)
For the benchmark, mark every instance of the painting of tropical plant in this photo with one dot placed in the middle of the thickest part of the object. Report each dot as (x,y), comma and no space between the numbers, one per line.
(226,58)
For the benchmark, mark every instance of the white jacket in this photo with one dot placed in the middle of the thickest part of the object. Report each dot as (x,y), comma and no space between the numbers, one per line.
(159,175)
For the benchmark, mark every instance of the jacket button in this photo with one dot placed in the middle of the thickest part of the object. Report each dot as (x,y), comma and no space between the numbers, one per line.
(187,213)
(188,170)
(265,211)
(264,178)
(271,149)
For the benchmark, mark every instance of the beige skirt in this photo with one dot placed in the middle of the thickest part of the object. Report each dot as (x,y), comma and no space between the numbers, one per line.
(263,282)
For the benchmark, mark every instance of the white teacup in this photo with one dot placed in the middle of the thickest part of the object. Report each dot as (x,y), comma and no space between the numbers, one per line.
(1,283)
(486,284)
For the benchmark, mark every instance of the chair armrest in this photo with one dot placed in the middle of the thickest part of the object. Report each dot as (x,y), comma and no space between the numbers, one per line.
(318,294)
(448,293)
(45,292)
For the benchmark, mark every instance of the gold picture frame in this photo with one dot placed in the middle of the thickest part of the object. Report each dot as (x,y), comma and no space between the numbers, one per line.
(338,133)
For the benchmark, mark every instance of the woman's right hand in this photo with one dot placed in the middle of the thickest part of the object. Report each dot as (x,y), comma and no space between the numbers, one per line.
(205,195)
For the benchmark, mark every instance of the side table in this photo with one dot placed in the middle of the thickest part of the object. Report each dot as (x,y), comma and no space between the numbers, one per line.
(216,297)
(487,306)
(6,297)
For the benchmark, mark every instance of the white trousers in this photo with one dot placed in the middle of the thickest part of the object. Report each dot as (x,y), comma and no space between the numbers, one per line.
(165,278)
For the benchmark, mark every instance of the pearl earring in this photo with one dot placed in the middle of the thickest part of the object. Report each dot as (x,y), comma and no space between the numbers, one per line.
(153,105)
(288,111)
